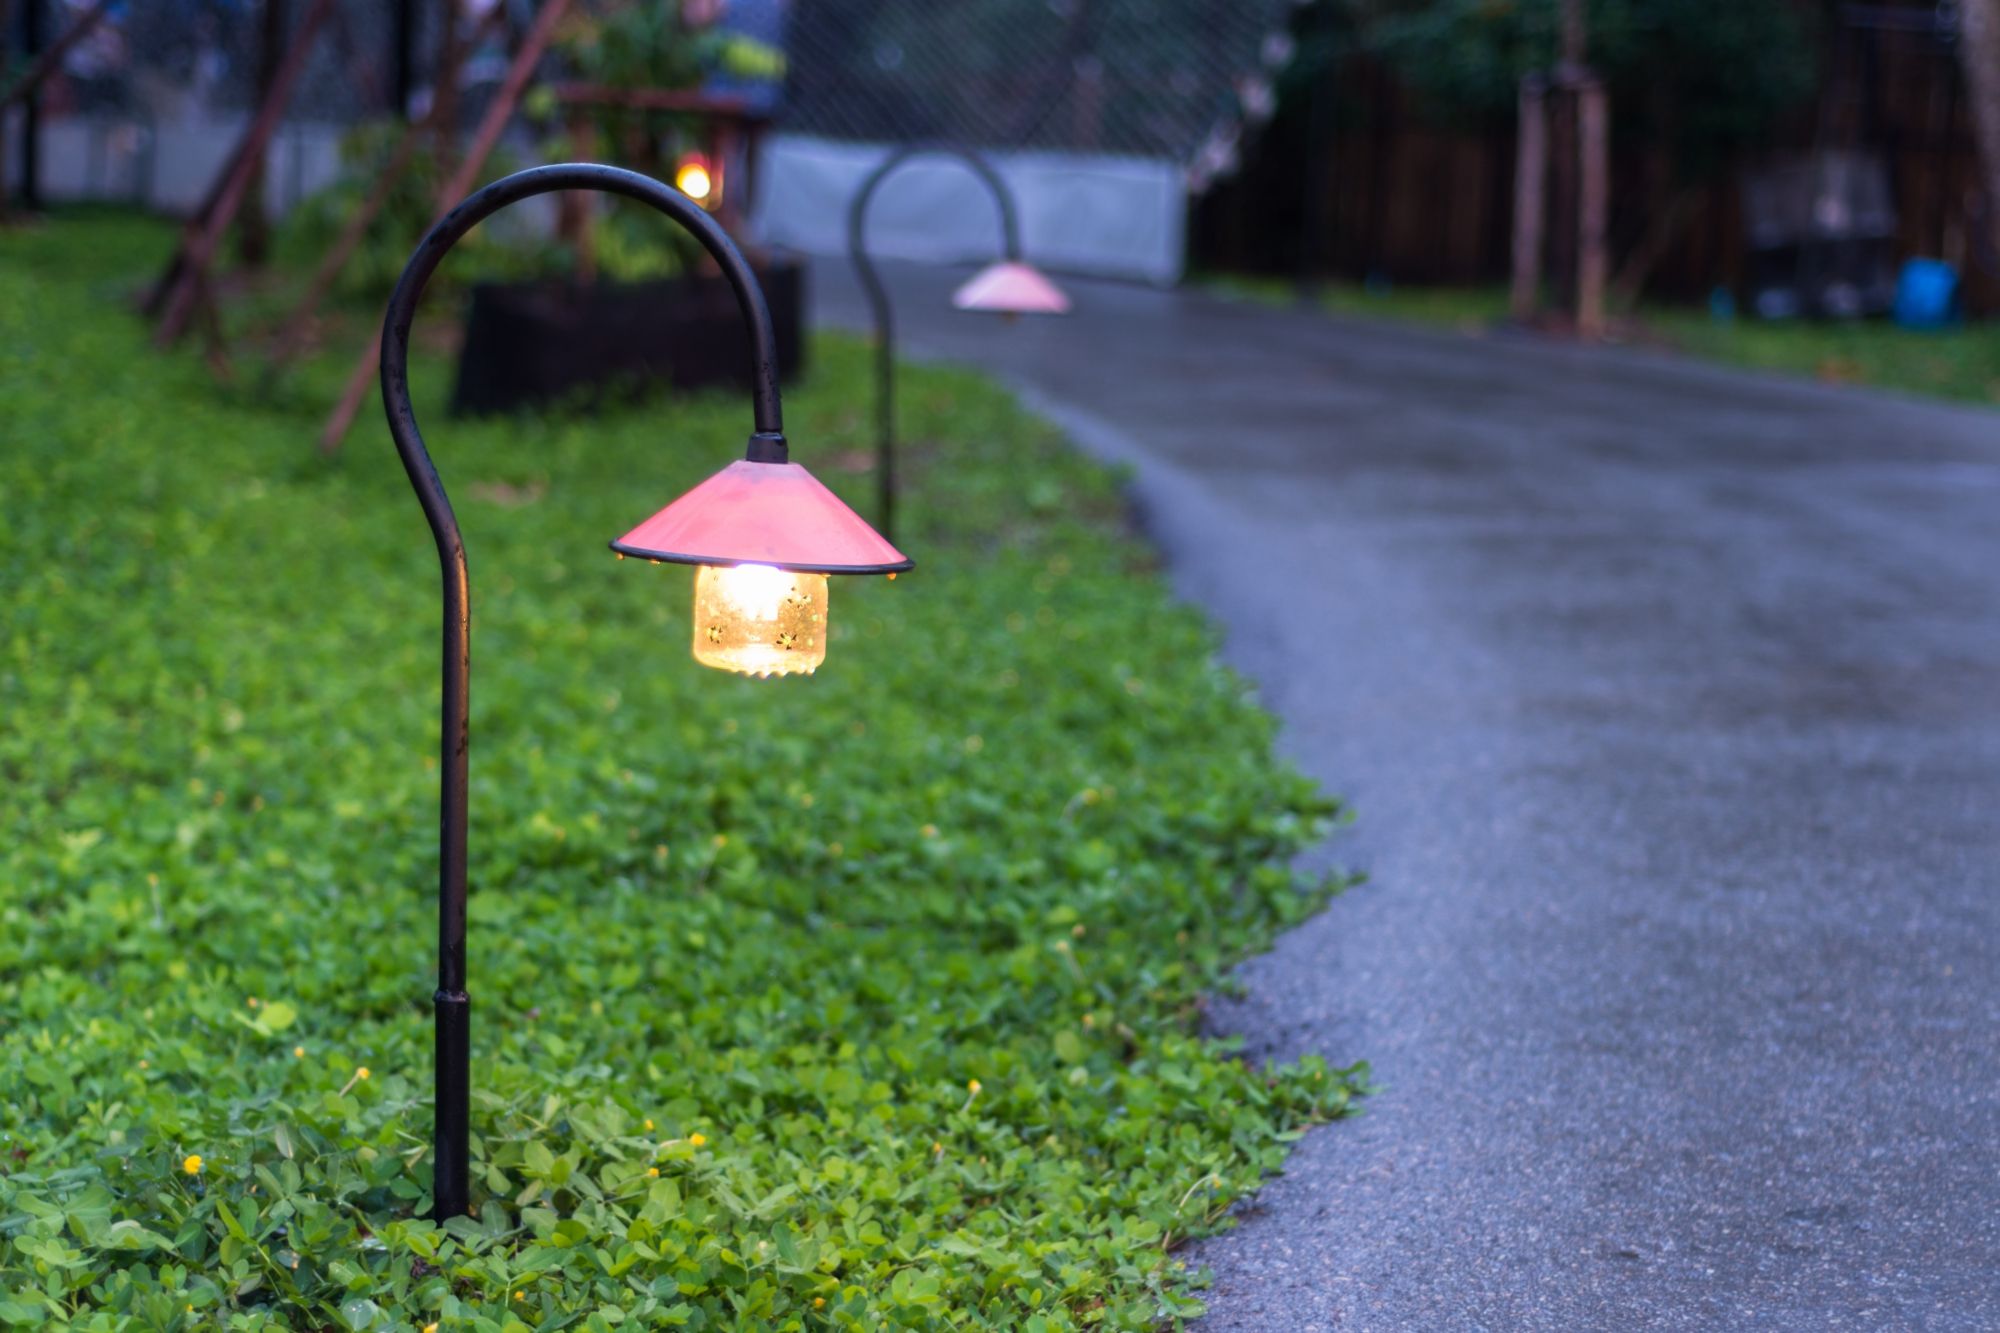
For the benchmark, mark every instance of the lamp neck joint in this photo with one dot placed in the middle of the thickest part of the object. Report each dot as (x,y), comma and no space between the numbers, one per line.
(767,446)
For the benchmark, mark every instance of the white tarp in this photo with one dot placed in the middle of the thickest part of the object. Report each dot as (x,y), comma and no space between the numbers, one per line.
(169,165)
(1118,217)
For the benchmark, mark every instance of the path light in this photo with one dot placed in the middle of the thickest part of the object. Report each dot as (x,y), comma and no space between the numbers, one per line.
(1011,288)
(762,531)
(764,534)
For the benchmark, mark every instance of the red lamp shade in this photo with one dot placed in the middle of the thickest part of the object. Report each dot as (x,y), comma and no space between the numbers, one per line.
(775,514)
(1011,288)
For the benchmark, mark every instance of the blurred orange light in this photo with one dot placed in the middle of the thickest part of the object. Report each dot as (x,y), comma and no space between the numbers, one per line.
(692,180)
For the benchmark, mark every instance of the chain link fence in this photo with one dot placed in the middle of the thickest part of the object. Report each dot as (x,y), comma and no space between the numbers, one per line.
(148,105)
(203,55)
(1162,79)
(1104,114)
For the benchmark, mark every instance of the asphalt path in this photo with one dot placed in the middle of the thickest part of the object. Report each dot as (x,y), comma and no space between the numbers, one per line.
(1669,701)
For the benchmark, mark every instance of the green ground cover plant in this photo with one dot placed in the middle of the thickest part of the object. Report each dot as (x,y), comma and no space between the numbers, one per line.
(866,1001)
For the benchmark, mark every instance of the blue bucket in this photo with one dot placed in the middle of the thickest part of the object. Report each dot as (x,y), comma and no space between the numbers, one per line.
(1927,294)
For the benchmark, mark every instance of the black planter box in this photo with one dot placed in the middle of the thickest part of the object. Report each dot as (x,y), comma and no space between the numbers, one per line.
(533,343)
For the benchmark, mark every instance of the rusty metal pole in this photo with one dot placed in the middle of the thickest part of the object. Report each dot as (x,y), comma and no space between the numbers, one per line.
(451,1165)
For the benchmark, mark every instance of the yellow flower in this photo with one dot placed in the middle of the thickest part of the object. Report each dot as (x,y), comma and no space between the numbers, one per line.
(697,1139)
(431,1327)
(652,1170)
(362,1073)
(192,1165)
(520,1295)
(298,1052)
(819,1302)
(649,1124)
(973,1086)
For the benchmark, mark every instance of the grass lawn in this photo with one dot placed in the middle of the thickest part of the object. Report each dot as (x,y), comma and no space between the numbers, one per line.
(1961,363)
(1467,309)
(862,1001)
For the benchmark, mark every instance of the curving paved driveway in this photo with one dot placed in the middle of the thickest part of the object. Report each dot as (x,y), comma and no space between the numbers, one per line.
(1669,699)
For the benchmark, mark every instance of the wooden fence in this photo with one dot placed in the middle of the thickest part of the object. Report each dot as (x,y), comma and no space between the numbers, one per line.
(1380,188)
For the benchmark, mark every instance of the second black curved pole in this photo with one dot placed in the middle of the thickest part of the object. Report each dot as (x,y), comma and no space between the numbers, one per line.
(450,1179)
(878,302)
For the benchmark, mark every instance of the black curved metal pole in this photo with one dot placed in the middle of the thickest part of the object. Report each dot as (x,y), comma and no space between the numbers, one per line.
(878,302)
(450,1180)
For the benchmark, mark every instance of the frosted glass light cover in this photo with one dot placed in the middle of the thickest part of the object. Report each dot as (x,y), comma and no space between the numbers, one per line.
(759,620)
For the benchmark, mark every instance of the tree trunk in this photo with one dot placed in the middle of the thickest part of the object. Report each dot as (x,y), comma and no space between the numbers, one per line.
(6,32)
(1662,230)
(498,111)
(1572,35)
(31,108)
(293,335)
(253,224)
(1531,169)
(1593,253)
(47,59)
(1979,48)
(404,73)
(189,267)
(573,211)
(444,93)
(1565,155)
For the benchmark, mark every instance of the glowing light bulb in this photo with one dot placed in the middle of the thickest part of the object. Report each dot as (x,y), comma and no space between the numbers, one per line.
(759,620)
(693,180)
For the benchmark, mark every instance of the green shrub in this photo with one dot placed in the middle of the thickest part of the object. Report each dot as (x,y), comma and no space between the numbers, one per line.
(507,249)
(856,1002)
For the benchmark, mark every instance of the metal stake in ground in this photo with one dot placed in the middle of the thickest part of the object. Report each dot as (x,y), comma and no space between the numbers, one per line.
(1009,288)
(765,533)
